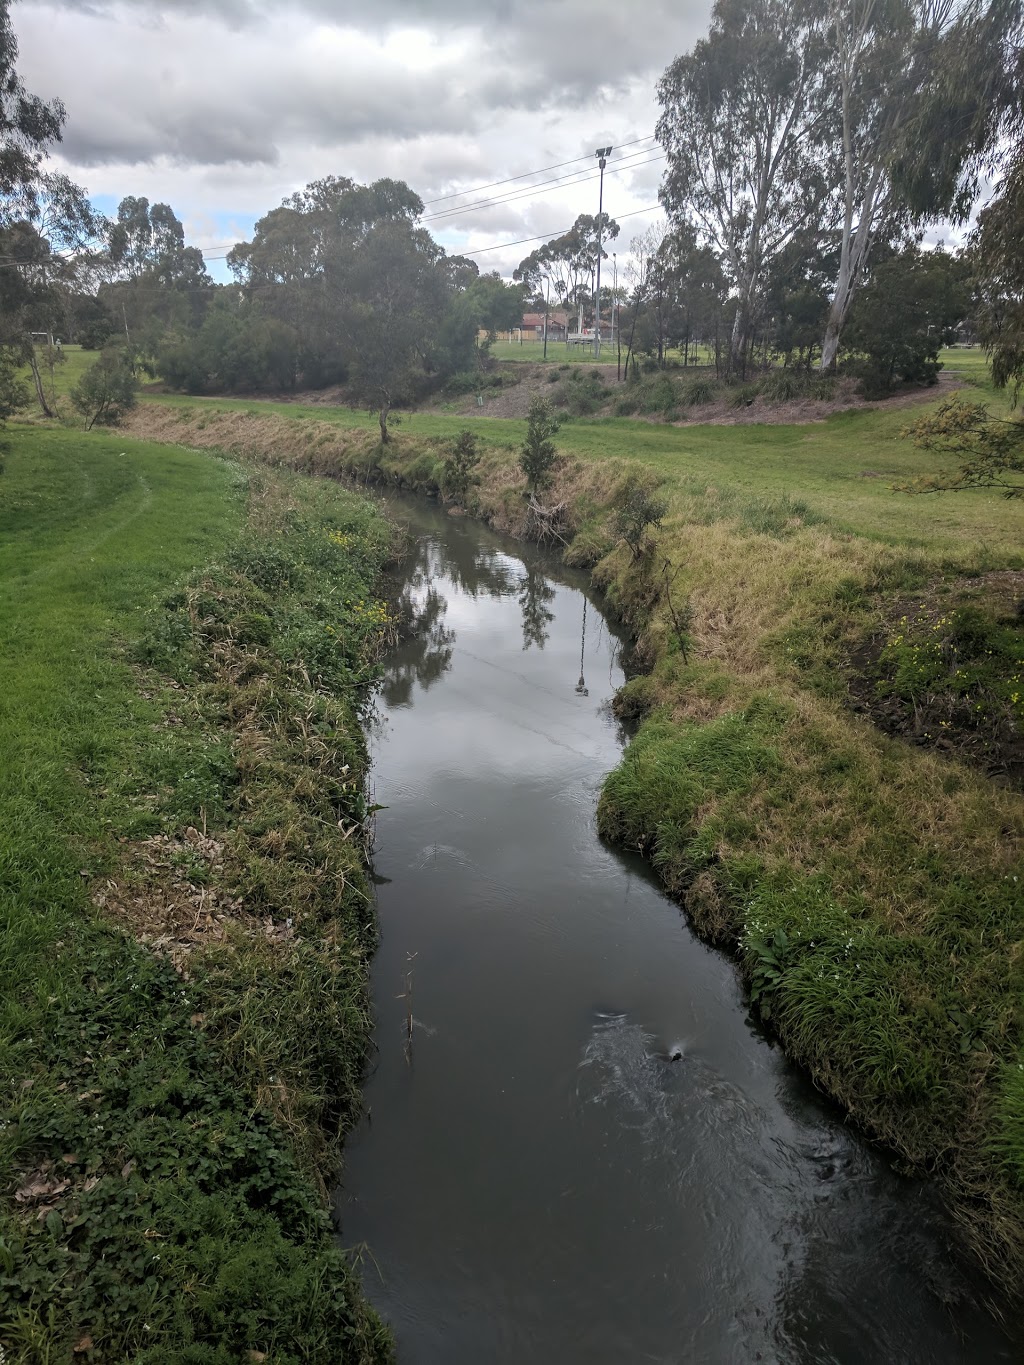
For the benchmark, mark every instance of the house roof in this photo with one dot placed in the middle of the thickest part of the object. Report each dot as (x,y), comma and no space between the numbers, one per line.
(537,319)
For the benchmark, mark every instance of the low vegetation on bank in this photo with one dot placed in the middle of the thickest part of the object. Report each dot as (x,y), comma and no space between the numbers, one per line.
(870,888)
(188,918)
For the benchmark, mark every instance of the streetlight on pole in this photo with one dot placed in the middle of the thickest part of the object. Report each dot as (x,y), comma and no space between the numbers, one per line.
(602,155)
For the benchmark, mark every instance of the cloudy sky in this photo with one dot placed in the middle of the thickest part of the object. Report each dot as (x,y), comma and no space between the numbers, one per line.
(222,107)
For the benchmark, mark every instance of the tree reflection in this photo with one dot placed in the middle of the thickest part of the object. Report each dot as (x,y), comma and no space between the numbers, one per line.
(535,592)
(474,570)
(424,653)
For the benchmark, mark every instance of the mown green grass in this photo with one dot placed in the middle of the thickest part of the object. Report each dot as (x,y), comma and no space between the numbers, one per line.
(168,1207)
(532,351)
(68,367)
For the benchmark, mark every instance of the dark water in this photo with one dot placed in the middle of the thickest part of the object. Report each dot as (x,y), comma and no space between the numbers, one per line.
(539,1182)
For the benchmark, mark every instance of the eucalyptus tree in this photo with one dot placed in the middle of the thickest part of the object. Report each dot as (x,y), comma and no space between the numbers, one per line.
(924,86)
(567,263)
(643,273)
(154,283)
(291,265)
(44,217)
(43,250)
(29,128)
(748,125)
(999,272)
(390,292)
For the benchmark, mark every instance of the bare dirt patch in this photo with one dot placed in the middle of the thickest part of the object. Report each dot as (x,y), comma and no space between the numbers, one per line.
(979,728)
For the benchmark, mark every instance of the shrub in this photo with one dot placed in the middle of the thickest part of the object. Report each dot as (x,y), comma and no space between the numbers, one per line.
(459,475)
(699,391)
(582,394)
(106,391)
(466,381)
(783,386)
(902,317)
(742,395)
(538,454)
(659,394)
(637,512)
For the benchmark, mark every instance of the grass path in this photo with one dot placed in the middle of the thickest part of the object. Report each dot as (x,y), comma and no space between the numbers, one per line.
(161,1112)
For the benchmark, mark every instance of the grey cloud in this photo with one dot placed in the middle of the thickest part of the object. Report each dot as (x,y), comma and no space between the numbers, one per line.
(231,103)
(185,105)
(547,46)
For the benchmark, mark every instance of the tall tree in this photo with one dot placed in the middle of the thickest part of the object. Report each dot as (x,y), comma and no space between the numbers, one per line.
(566,265)
(999,265)
(924,86)
(29,127)
(746,125)
(43,216)
(903,316)
(296,247)
(390,292)
(156,282)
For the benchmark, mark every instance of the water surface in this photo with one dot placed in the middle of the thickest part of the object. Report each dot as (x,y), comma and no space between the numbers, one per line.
(538,1181)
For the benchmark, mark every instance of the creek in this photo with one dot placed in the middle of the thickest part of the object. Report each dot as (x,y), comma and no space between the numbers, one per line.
(590,1152)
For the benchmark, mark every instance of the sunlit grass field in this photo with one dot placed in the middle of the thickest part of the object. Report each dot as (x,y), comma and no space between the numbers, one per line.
(67,369)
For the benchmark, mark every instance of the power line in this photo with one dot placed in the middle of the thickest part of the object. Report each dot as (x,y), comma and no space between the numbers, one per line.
(565,181)
(571,177)
(456,194)
(541,237)
(476,251)
(546,236)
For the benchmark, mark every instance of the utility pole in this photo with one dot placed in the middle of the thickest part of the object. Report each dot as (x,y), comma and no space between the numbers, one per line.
(602,155)
(547,310)
(615,315)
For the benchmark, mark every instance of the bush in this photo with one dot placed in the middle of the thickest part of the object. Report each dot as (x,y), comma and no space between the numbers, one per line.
(742,395)
(107,390)
(783,386)
(658,395)
(582,394)
(637,512)
(14,392)
(538,455)
(902,317)
(699,391)
(466,381)
(458,475)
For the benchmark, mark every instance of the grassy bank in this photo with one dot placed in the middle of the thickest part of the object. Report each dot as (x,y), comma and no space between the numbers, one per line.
(871,889)
(185,910)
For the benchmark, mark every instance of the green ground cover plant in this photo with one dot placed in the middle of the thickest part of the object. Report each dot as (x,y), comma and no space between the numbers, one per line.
(187,925)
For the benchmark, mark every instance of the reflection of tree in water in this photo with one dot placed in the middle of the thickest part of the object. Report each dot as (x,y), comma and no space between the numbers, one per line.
(425,650)
(535,592)
(472,569)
